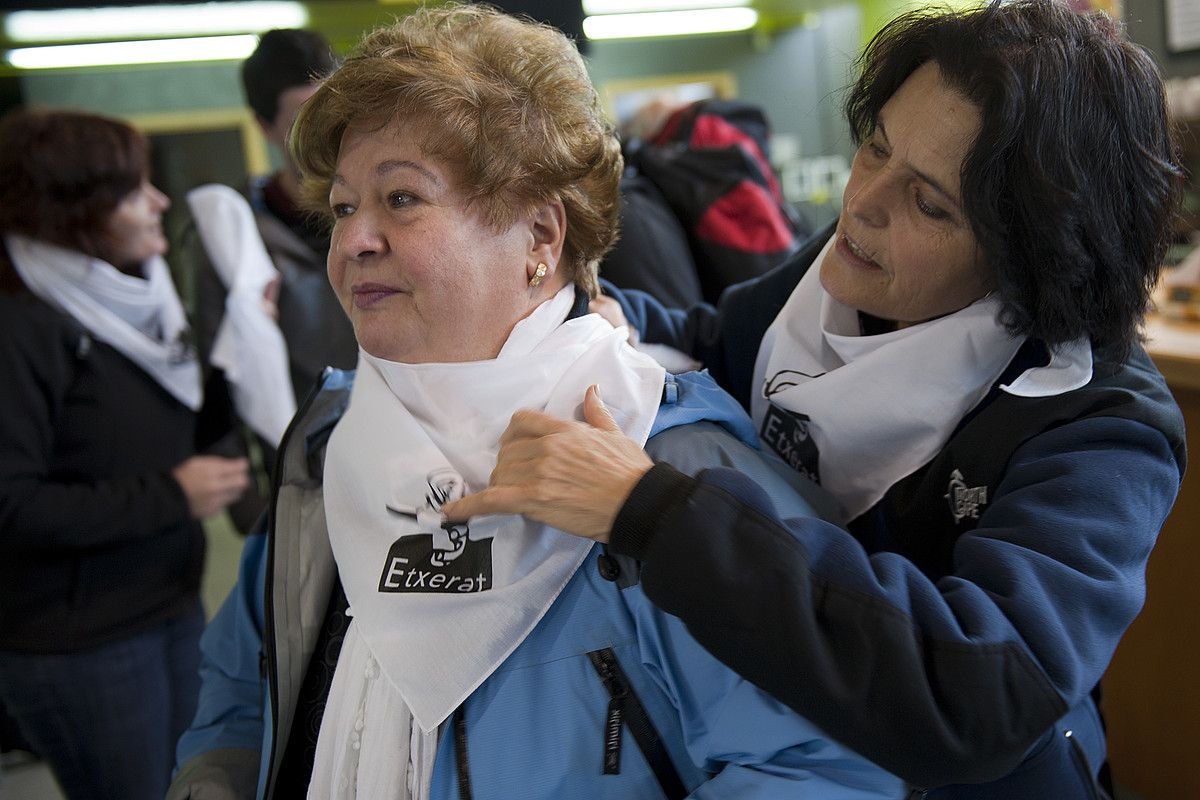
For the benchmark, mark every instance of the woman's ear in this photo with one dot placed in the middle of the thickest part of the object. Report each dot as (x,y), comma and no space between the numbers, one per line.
(548,228)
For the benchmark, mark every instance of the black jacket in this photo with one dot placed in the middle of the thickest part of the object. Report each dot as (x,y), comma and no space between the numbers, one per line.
(96,539)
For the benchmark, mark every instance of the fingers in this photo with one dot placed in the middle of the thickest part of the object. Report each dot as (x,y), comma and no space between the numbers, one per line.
(609,309)
(528,424)
(229,467)
(595,413)
(271,290)
(211,483)
(270,298)
(234,474)
(493,500)
(226,474)
(570,475)
(532,504)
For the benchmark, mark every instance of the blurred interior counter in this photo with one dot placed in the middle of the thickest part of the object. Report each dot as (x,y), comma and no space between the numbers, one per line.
(1152,688)
(1175,347)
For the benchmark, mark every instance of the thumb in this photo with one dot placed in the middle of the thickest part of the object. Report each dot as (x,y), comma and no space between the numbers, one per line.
(595,413)
(458,510)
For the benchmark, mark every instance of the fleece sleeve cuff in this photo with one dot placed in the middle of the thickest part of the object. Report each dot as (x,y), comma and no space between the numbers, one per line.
(660,488)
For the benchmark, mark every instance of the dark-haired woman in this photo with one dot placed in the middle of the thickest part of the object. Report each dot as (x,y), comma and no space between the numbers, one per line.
(957,362)
(100,488)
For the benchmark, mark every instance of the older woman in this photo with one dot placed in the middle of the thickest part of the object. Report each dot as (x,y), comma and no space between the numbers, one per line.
(472,186)
(100,487)
(957,363)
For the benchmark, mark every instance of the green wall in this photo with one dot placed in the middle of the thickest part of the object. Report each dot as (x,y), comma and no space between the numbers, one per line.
(793,73)
(796,72)
(138,90)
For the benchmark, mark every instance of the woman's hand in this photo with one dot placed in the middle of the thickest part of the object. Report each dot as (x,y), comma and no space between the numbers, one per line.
(610,310)
(211,483)
(574,476)
(270,298)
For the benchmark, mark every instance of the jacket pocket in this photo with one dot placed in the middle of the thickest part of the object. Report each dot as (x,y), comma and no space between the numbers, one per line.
(626,710)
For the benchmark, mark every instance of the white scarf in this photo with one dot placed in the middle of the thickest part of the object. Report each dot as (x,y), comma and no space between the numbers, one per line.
(248,347)
(368,746)
(440,609)
(874,409)
(141,318)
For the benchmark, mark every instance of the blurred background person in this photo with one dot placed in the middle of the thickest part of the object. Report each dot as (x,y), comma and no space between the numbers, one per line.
(278,77)
(265,245)
(701,208)
(101,490)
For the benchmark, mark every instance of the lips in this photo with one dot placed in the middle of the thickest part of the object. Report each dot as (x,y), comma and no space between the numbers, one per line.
(855,254)
(368,294)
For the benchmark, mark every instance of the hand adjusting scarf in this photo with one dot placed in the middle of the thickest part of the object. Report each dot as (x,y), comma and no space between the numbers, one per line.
(141,318)
(437,608)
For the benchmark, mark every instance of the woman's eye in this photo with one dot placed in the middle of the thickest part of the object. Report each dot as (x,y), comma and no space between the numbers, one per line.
(876,150)
(931,211)
(341,210)
(401,199)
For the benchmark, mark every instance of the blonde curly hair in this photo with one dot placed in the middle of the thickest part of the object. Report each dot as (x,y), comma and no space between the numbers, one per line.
(505,102)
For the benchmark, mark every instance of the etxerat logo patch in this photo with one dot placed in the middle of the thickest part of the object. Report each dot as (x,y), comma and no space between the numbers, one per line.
(410,567)
(787,434)
(441,558)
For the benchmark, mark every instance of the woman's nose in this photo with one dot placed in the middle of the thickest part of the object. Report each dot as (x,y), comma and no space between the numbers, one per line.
(869,200)
(161,201)
(358,237)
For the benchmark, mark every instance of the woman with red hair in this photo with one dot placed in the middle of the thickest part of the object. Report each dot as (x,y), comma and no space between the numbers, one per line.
(101,491)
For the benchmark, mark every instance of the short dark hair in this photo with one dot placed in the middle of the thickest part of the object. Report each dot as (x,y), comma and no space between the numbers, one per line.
(1071,185)
(65,173)
(285,57)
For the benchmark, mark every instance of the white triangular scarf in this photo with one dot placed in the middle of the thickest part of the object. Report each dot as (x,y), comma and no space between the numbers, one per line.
(440,609)
(858,413)
(248,347)
(141,318)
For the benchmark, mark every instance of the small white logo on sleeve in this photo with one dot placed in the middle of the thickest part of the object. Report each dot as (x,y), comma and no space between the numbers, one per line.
(965,500)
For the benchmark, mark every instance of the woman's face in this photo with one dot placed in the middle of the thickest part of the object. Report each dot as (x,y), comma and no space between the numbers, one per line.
(289,103)
(134,231)
(903,248)
(421,276)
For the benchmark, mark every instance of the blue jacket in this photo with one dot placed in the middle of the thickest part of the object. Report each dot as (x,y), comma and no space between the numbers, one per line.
(959,651)
(536,728)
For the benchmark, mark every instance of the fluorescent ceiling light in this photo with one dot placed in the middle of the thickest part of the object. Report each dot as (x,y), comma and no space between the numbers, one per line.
(638,6)
(147,51)
(197,19)
(669,23)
